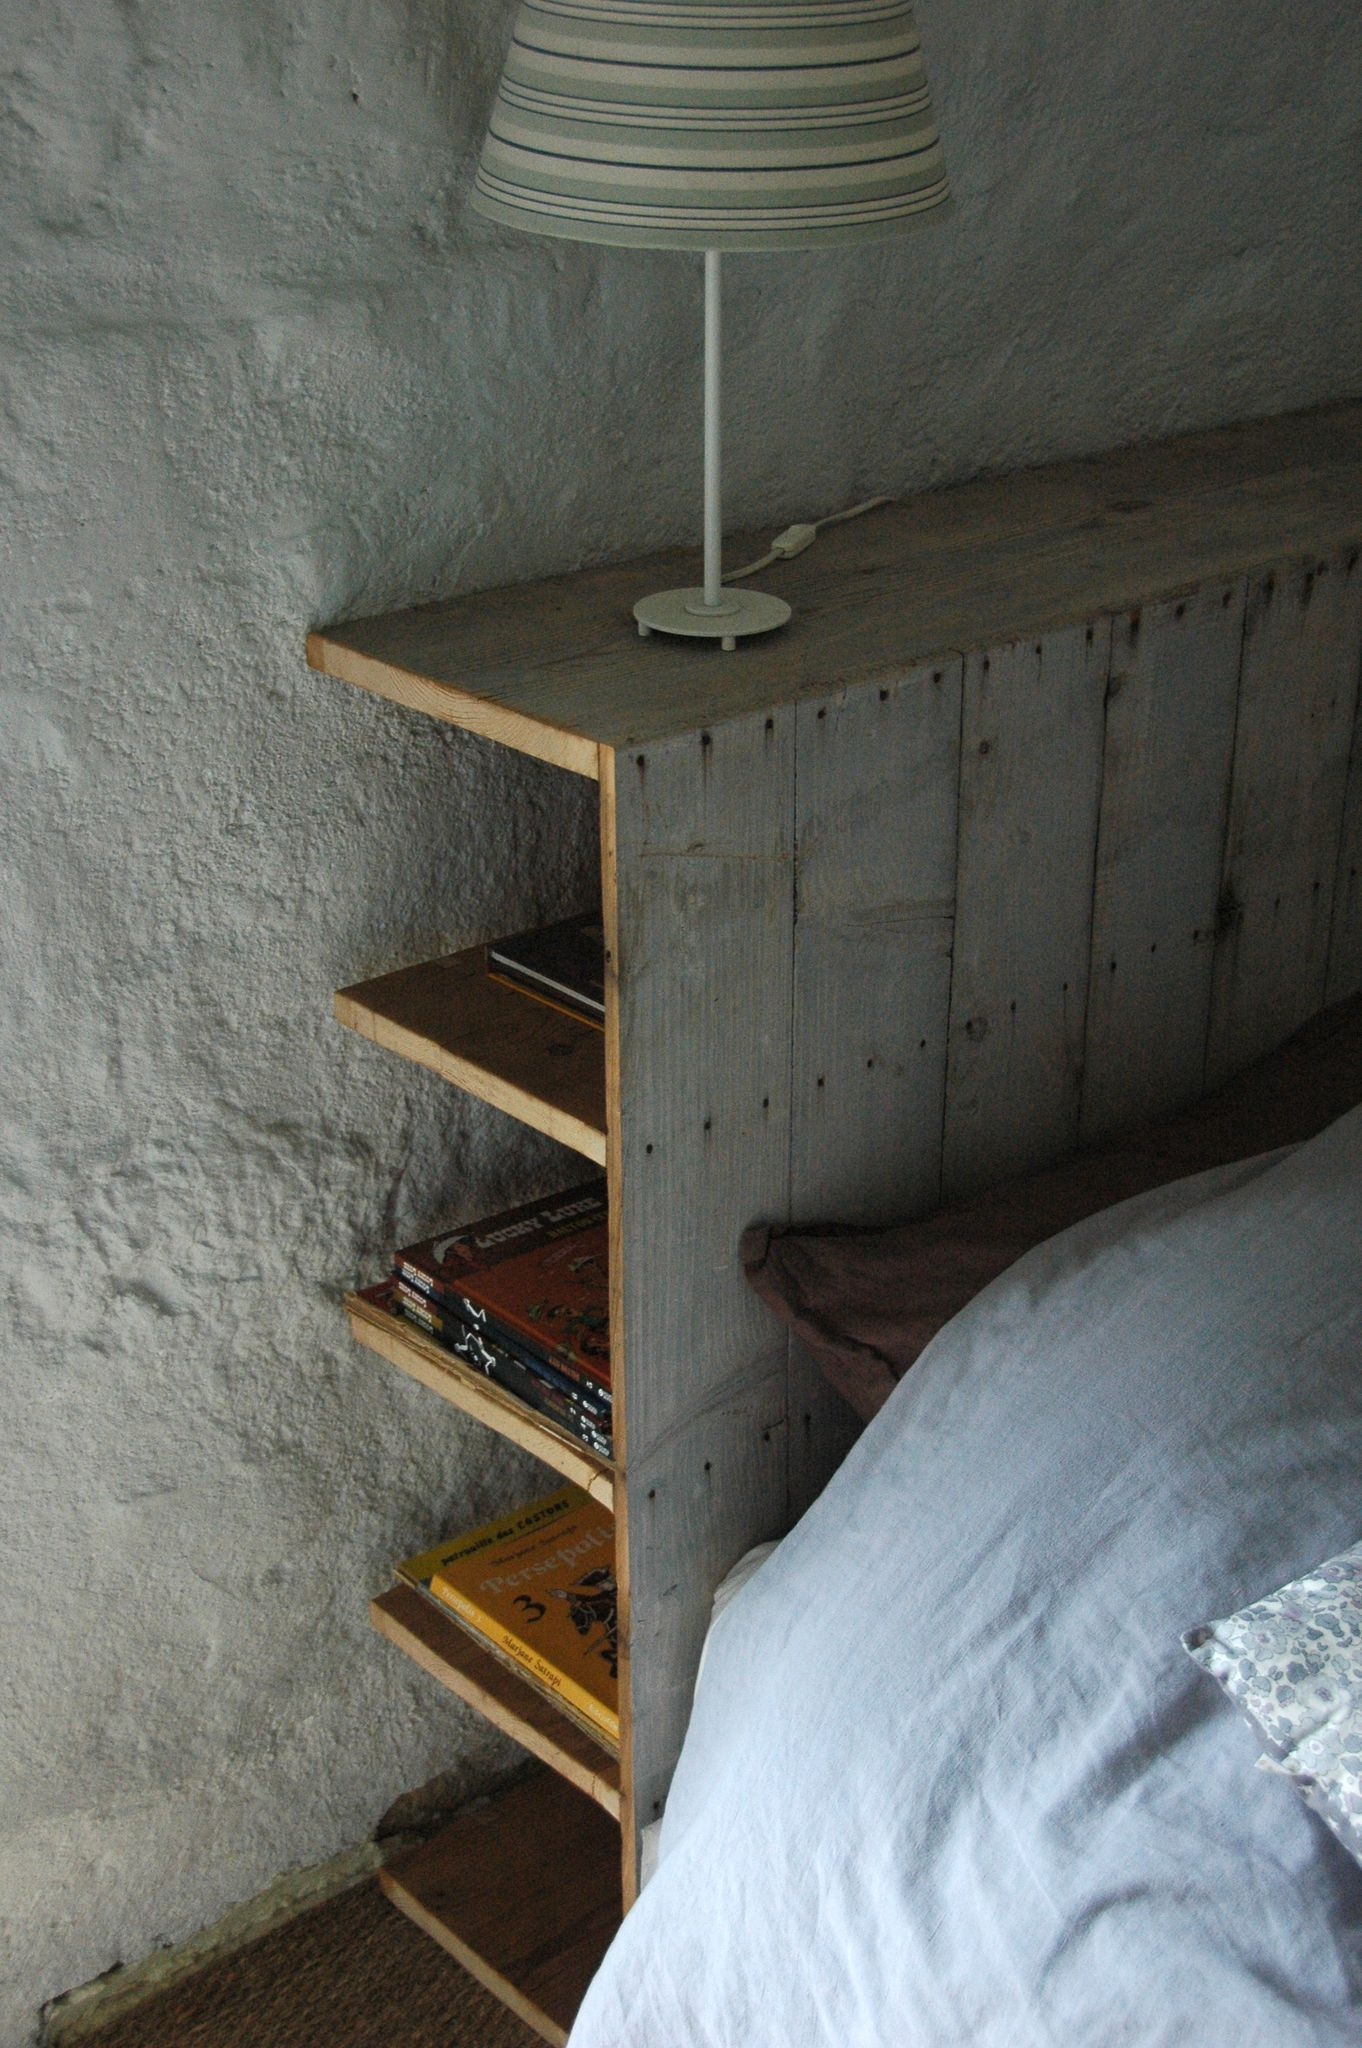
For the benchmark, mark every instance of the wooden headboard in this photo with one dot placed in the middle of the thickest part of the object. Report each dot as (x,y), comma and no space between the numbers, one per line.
(1043,812)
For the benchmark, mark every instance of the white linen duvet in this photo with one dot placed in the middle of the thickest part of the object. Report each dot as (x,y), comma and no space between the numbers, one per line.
(950,1777)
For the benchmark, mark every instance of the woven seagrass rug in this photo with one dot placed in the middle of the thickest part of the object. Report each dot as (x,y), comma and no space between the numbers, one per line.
(350,1973)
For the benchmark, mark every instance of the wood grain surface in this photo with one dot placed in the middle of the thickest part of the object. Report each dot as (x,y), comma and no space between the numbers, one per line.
(415,1625)
(498,1044)
(1030,789)
(524,1890)
(1298,692)
(1156,901)
(556,668)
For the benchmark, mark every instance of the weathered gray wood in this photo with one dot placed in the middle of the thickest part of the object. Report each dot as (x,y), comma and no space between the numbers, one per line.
(1297,705)
(875,854)
(699,841)
(556,667)
(1345,946)
(875,857)
(1030,784)
(1165,793)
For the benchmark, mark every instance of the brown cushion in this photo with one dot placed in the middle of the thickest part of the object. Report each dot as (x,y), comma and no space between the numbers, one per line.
(866,1302)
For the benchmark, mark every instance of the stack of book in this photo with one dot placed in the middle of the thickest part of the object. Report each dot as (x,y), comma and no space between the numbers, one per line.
(522,1297)
(537,1589)
(562,965)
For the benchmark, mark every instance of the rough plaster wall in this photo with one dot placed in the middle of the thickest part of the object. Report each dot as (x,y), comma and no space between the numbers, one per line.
(262,369)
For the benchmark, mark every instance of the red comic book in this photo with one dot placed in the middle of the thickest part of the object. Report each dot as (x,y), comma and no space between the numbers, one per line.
(537,1273)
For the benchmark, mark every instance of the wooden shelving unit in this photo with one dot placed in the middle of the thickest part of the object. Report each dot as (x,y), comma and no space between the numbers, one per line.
(856,960)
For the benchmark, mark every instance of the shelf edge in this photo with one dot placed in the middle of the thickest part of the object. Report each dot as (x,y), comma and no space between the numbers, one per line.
(480,715)
(446,1653)
(432,1366)
(533,1110)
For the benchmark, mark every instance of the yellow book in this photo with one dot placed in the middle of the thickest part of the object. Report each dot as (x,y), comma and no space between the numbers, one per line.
(539,1586)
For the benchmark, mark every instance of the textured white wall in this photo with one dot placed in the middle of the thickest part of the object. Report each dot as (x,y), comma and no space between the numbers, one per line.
(261,369)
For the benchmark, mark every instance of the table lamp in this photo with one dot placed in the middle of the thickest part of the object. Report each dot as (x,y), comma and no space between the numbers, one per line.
(712,125)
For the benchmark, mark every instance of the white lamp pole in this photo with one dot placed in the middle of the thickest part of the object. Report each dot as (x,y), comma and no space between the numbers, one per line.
(711,613)
(714,526)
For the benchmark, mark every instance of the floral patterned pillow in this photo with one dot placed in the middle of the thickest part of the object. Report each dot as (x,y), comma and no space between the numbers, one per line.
(1293,1663)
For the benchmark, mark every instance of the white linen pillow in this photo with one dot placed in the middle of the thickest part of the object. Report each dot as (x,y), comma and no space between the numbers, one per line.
(1292,1663)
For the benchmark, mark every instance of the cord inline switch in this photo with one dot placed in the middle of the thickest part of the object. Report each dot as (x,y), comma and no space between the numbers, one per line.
(793,541)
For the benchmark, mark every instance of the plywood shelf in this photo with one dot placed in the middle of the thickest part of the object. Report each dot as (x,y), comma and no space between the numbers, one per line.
(524,1891)
(419,1356)
(504,1047)
(453,1657)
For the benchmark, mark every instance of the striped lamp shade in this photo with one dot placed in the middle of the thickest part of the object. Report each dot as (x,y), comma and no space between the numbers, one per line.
(712,124)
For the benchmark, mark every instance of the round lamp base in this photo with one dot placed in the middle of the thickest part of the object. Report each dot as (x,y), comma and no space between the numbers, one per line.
(737,613)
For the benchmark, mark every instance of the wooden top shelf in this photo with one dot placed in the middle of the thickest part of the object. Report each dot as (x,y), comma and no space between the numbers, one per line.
(451,1655)
(556,668)
(422,1359)
(504,1047)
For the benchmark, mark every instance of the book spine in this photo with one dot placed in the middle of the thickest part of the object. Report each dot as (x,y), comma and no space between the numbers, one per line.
(419,1289)
(556,1357)
(543,1674)
(487,1343)
(509,1374)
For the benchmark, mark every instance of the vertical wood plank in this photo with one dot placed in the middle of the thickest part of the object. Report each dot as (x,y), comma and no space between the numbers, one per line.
(701,931)
(1030,785)
(1165,792)
(630,1845)
(875,840)
(875,833)
(1345,945)
(1297,704)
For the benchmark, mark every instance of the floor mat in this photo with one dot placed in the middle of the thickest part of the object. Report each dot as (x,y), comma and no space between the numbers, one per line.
(351,1973)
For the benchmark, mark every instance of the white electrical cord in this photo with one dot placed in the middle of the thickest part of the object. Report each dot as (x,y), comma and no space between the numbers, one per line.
(795,539)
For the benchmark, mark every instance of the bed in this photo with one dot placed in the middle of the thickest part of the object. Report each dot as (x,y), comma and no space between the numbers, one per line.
(951,1775)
